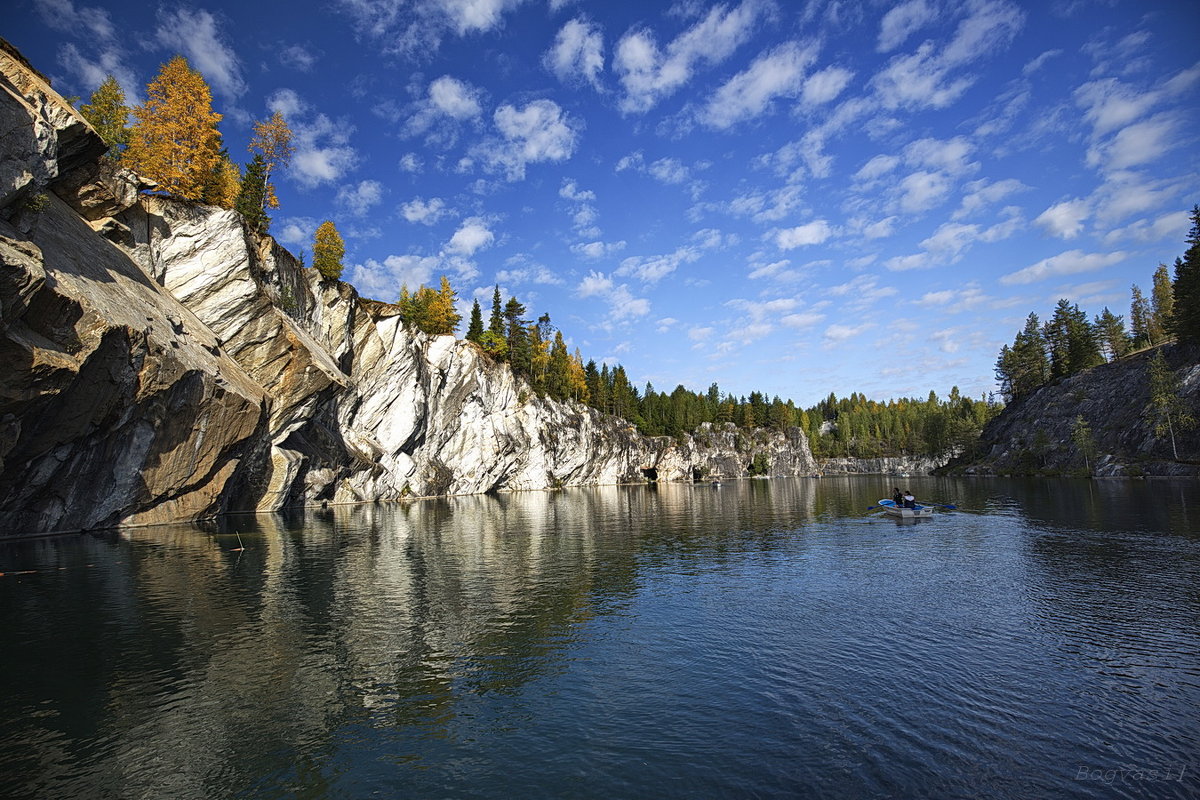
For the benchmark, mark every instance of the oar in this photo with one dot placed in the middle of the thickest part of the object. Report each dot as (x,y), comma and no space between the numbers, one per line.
(941,505)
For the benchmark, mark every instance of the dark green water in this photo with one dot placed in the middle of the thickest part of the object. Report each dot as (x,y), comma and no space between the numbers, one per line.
(764,639)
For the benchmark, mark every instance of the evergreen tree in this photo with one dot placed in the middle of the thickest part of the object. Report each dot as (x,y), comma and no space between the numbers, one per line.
(108,114)
(223,184)
(1185,323)
(1024,368)
(328,251)
(475,326)
(444,315)
(558,376)
(250,202)
(1070,341)
(1114,341)
(1139,318)
(519,351)
(175,141)
(1161,304)
(496,322)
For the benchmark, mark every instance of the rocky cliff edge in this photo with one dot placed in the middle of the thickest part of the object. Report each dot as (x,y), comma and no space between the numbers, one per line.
(160,363)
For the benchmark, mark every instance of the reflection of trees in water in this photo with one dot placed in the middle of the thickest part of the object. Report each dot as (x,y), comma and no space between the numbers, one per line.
(200,668)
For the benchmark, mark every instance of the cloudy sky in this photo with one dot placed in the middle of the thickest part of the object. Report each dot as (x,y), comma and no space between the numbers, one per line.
(778,196)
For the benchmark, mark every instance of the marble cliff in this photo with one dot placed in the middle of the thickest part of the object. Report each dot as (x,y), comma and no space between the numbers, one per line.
(159,363)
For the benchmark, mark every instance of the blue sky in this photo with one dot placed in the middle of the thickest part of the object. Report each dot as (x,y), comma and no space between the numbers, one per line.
(786,197)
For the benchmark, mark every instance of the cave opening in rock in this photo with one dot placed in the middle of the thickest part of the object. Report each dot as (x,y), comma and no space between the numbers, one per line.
(651,473)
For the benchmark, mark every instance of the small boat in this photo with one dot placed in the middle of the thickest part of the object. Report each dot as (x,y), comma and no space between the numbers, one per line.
(920,512)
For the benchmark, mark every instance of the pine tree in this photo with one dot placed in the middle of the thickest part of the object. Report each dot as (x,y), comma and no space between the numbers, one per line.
(1139,318)
(108,114)
(1114,341)
(519,351)
(1185,323)
(475,326)
(1161,303)
(328,251)
(249,201)
(1024,368)
(496,322)
(175,141)
(223,184)
(273,141)
(1071,341)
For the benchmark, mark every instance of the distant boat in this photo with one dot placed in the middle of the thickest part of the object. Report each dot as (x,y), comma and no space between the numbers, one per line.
(920,512)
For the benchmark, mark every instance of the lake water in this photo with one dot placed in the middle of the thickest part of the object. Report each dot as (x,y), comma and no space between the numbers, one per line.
(761,639)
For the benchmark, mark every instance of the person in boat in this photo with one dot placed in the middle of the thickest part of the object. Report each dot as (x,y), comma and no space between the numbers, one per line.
(909,500)
(897,497)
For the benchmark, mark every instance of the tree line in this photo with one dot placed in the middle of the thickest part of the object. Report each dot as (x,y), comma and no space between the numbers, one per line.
(853,427)
(175,141)
(1069,342)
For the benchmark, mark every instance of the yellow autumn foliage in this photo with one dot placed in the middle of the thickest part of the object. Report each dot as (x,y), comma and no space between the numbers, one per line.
(175,141)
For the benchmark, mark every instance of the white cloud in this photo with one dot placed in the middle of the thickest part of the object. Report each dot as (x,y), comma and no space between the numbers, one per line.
(571,191)
(1170,227)
(1068,263)
(297,57)
(425,212)
(815,232)
(826,85)
(418,28)
(287,102)
(946,155)
(668,170)
(651,269)
(877,167)
(538,131)
(1065,219)
(778,73)
(195,34)
(470,237)
(577,54)
(982,193)
(648,74)
(922,190)
(296,231)
(593,284)
(382,280)
(359,199)
(838,333)
(410,162)
(805,319)
(902,21)
(1139,143)
(323,153)
(597,250)
(927,78)
(64,15)
(454,98)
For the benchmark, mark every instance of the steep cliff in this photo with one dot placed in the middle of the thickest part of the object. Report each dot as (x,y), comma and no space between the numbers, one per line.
(1035,434)
(158,362)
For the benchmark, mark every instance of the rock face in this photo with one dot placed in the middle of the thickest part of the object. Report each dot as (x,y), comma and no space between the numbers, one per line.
(1034,435)
(159,363)
(881,466)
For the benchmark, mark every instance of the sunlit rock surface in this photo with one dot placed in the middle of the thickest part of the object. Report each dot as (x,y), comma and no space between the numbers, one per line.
(158,362)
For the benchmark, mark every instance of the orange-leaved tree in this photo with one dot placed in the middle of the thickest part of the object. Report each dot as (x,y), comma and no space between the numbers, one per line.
(273,141)
(175,141)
